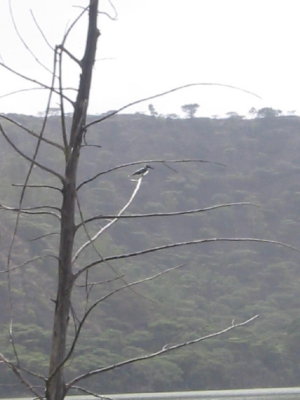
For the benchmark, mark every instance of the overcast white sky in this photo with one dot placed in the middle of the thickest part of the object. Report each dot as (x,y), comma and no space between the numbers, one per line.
(156,45)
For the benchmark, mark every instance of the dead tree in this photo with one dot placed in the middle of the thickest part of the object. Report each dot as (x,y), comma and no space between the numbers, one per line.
(70,268)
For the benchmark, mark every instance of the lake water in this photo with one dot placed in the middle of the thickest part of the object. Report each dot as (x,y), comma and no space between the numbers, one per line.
(243,394)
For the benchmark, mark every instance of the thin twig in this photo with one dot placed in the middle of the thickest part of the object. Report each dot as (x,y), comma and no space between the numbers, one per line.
(41,84)
(30,90)
(86,391)
(168,214)
(21,38)
(129,164)
(100,282)
(92,307)
(160,352)
(114,9)
(29,208)
(133,103)
(37,186)
(32,133)
(180,244)
(41,31)
(28,211)
(17,372)
(61,104)
(31,160)
(69,30)
(20,91)
(43,236)
(23,264)
(107,15)
(91,145)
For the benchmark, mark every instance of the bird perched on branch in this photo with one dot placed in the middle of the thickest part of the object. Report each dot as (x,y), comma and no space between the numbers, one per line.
(142,171)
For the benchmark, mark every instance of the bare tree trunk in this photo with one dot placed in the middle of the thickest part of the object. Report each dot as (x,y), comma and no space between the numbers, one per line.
(55,385)
(56,388)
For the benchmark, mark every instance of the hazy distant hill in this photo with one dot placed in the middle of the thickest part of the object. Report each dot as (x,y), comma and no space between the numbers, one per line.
(220,282)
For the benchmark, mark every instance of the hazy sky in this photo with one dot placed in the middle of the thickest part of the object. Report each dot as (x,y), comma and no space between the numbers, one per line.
(155,45)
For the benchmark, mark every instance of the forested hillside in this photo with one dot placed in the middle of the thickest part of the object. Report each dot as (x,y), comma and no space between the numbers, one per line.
(255,161)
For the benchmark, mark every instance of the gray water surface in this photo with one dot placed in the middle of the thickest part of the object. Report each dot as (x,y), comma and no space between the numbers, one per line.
(242,394)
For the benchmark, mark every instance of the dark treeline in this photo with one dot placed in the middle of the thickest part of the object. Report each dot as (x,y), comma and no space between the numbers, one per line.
(219,282)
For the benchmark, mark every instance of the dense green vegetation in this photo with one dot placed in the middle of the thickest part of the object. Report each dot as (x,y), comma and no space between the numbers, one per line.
(219,282)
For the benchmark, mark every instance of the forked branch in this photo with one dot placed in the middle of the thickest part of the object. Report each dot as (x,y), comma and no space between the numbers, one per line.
(110,223)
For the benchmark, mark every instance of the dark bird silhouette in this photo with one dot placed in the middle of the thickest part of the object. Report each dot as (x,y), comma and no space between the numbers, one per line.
(142,171)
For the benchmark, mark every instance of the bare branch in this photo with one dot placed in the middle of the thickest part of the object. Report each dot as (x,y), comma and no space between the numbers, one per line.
(61,104)
(100,282)
(91,145)
(110,223)
(43,236)
(23,264)
(41,31)
(146,162)
(37,186)
(94,305)
(164,350)
(32,89)
(169,167)
(17,371)
(138,282)
(29,208)
(168,214)
(20,91)
(114,9)
(23,41)
(32,133)
(31,160)
(27,78)
(89,287)
(107,15)
(73,25)
(28,211)
(112,18)
(155,96)
(180,244)
(64,50)
(86,391)
(27,371)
